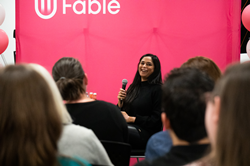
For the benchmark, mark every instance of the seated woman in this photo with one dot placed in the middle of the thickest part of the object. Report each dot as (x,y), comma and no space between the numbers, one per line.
(75,140)
(103,118)
(141,103)
(30,123)
(227,119)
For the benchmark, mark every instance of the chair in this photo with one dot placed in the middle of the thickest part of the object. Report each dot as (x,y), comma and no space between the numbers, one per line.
(138,152)
(118,152)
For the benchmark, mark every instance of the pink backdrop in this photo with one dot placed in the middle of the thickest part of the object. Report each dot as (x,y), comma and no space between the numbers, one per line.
(110,45)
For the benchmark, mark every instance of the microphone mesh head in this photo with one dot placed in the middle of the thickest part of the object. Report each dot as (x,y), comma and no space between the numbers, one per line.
(124,81)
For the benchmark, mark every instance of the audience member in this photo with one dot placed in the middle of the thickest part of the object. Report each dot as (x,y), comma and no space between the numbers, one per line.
(227,119)
(105,119)
(161,142)
(75,140)
(184,106)
(30,124)
(204,64)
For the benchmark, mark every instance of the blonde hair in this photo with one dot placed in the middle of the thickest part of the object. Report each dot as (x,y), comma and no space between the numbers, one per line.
(60,107)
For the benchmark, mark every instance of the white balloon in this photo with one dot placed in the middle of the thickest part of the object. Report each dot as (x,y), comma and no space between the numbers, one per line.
(2,14)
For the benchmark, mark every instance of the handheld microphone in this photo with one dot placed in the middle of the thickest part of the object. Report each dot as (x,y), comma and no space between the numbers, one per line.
(124,83)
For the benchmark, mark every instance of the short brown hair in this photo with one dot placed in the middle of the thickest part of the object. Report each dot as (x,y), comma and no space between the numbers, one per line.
(204,64)
(29,125)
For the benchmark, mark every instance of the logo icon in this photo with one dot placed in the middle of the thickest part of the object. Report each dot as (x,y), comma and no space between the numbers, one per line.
(47,10)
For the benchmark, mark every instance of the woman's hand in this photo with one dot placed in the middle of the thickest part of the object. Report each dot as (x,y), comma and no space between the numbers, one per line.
(129,119)
(121,96)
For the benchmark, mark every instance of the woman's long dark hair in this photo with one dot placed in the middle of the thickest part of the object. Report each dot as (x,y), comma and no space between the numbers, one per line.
(154,78)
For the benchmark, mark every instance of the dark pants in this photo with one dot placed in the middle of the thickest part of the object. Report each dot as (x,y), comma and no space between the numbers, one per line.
(138,137)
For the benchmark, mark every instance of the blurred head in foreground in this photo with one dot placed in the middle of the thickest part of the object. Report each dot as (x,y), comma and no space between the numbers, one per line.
(31,116)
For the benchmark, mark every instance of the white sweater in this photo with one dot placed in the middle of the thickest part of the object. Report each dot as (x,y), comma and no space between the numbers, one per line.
(78,141)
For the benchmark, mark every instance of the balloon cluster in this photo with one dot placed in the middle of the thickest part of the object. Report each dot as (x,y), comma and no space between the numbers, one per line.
(4,40)
(245,16)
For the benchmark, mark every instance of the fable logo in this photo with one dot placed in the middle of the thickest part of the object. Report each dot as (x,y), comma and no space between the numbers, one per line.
(113,7)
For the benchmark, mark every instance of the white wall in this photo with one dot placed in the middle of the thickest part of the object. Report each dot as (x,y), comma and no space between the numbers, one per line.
(244,57)
(8,26)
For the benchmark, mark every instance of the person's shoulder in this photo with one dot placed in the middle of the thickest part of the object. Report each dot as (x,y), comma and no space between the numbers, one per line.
(156,89)
(76,130)
(74,127)
(107,104)
(156,86)
(69,161)
(103,102)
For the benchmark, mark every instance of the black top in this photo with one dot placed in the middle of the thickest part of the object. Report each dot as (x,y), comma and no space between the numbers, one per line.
(178,156)
(147,108)
(105,119)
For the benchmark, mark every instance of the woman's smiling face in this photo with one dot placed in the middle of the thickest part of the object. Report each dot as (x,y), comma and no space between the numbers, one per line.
(146,68)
